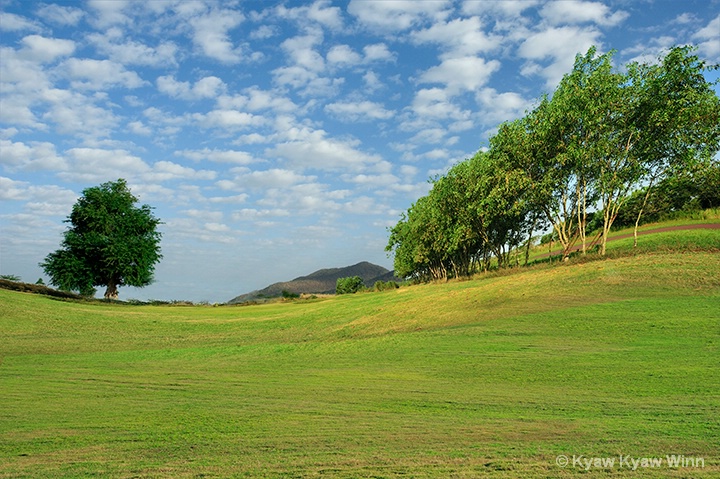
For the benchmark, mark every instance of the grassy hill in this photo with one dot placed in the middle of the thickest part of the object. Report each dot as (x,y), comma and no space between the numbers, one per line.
(494,377)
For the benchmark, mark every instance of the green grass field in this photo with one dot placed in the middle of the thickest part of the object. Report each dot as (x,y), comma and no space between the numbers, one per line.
(494,377)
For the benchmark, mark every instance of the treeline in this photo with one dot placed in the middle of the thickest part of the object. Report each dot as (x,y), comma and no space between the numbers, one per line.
(605,139)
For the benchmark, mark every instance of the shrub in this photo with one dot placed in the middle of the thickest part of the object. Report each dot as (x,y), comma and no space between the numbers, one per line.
(349,285)
(382,286)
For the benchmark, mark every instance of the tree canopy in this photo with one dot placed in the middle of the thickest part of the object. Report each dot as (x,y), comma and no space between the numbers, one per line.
(603,135)
(110,242)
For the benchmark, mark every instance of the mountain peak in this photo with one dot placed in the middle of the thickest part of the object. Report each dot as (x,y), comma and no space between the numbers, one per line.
(322,281)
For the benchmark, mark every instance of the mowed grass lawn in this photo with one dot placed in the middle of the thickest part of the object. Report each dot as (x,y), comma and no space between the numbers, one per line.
(494,377)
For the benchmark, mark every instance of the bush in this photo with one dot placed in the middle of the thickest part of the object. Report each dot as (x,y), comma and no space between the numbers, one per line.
(349,285)
(382,286)
(289,295)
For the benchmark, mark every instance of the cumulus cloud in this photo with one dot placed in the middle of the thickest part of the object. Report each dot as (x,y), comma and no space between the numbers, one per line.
(130,52)
(459,37)
(359,111)
(34,156)
(220,156)
(267,179)
(314,150)
(10,22)
(709,39)
(560,44)
(207,87)
(41,49)
(109,13)
(499,107)
(61,15)
(506,8)
(99,74)
(167,170)
(461,74)
(76,114)
(228,119)
(343,54)
(211,34)
(397,15)
(93,165)
(569,12)
(320,12)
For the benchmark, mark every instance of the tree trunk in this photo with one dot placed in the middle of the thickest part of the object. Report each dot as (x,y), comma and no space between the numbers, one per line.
(111,292)
(642,209)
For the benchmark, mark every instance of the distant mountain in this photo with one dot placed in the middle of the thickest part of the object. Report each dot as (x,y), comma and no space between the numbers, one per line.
(320,282)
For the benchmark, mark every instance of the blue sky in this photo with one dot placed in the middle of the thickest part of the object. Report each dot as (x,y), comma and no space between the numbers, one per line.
(277,138)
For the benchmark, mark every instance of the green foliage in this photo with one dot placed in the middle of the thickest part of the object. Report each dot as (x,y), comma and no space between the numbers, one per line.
(10,277)
(40,282)
(110,242)
(602,134)
(349,285)
(385,285)
(289,295)
(693,189)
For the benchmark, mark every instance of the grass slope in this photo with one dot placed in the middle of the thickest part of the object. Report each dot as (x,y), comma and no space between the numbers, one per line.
(494,377)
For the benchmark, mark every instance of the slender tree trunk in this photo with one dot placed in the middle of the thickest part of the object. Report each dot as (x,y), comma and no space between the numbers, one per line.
(642,209)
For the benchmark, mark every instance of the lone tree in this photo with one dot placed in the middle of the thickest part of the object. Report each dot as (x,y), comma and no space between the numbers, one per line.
(110,242)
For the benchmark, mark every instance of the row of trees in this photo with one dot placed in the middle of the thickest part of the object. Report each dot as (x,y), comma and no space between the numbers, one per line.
(603,134)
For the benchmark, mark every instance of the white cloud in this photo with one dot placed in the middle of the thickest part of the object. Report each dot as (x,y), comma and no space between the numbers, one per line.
(301,51)
(372,81)
(109,13)
(575,12)
(269,179)
(434,104)
(377,52)
(709,37)
(263,32)
(253,214)
(219,156)
(359,111)
(40,200)
(207,87)
(66,16)
(167,170)
(130,52)
(507,8)
(35,156)
(99,74)
(560,44)
(11,189)
(76,114)
(461,74)
(397,15)
(372,181)
(211,34)
(314,150)
(10,22)
(229,119)
(458,37)
(139,128)
(94,165)
(500,107)
(343,54)
(319,12)
(43,49)
(305,198)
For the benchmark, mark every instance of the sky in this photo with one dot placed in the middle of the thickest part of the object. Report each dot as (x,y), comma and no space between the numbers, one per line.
(277,138)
